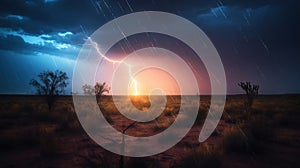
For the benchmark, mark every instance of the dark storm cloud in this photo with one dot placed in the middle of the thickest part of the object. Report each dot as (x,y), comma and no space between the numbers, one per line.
(255,38)
(39,24)
(12,42)
(184,7)
(66,15)
(17,45)
(34,26)
(61,15)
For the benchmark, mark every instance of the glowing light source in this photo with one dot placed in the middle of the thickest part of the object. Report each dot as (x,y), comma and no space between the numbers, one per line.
(164,83)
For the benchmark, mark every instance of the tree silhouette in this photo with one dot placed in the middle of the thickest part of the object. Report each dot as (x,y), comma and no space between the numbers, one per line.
(88,89)
(50,84)
(251,92)
(100,89)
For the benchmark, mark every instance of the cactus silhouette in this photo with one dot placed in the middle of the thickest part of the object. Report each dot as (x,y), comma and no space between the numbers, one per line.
(100,89)
(251,93)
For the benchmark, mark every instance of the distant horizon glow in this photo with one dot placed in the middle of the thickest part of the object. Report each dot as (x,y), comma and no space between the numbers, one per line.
(150,71)
(149,80)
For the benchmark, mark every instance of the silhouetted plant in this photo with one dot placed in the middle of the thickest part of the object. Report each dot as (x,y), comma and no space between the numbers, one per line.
(88,89)
(50,84)
(100,89)
(251,92)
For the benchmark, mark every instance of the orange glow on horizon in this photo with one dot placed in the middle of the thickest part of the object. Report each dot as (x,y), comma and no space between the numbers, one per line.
(150,81)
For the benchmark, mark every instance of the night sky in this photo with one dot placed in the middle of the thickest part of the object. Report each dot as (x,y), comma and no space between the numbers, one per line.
(258,41)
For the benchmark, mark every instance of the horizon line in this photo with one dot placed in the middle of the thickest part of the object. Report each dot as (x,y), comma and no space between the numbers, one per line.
(231,94)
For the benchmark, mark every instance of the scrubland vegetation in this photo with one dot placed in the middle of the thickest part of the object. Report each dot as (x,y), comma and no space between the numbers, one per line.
(33,136)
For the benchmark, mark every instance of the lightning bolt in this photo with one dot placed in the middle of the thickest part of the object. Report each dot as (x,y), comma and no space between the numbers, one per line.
(95,45)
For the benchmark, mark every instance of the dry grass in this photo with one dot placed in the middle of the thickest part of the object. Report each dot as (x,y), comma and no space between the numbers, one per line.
(49,143)
(235,140)
(27,123)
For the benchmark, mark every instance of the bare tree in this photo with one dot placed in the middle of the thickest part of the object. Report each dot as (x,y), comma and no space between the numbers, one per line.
(100,89)
(88,89)
(251,93)
(50,84)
